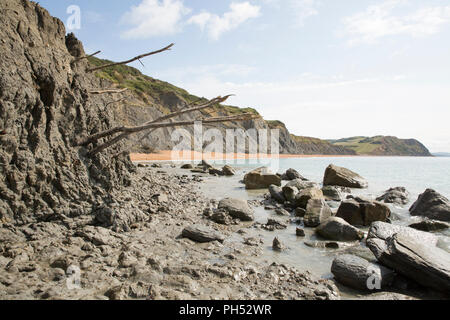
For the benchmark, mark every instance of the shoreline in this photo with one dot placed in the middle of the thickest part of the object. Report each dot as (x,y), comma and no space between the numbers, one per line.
(166,155)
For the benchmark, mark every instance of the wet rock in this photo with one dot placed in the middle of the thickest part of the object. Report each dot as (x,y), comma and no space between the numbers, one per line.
(275,224)
(228,171)
(187,166)
(300,212)
(302,198)
(398,195)
(317,211)
(253,242)
(332,193)
(300,232)
(289,193)
(277,245)
(363,212)
(277,193)
(426,264)
(328,244)
(339,230)
(300,184)
(261,178)
(202,234)
(215,172)
(381,230)
(432,205)
(430,225)
(282,212)
(221,217)
(338,176)
(237,208)
(292,174)
(358,273)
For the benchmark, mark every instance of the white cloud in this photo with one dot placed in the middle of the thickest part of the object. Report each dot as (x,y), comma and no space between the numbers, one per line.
(379,21)
(154,18)
(216,25)
(304,9)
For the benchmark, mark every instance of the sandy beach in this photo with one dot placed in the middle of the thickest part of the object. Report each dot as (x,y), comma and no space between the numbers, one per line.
(167,155)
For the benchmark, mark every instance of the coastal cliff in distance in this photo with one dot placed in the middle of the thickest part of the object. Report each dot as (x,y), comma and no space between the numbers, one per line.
(148,98)
(383,146)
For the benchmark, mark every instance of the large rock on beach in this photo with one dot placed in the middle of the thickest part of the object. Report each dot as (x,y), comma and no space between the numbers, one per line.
(292,174)
(276,193)
(338,176)
(301,184)
(338,229)
(302,198)
(332,193)
(381,230)
(398,195)
(261,178)
(358,273)
(426,264)
(361,212)
(237,208)
(202,234)
(317,211)
(432,205)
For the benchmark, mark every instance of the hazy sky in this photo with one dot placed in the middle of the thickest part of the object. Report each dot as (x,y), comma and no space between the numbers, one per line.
(327,68)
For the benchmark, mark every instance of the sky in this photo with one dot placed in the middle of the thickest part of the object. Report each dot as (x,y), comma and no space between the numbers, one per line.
(326,68)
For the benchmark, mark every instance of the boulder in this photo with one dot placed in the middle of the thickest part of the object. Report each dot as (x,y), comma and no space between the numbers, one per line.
(238,209)
(338,176)
(332,193)
(317,211)
(228,171)
(187,166)
(358,273)
(277,193)
(339,230)
(432,205)
(430,225)
(381,230)
(289,192)
(363,212)
(215,172)
(426,264)
(275,224)
(300,184)
(292,174)
(300,232)
(261,178)
(202,234)
(300,212)
(221,217)
(277,245)
(302,198)
(397,195)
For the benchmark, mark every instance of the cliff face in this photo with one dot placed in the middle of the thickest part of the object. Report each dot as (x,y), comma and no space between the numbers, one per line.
(149,98)
(44,105)
(384,146)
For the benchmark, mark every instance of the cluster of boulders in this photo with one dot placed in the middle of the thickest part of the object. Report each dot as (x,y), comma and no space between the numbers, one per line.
(205,167)
(399,254)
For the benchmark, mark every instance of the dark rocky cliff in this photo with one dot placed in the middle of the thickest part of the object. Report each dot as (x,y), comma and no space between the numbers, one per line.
(44,105)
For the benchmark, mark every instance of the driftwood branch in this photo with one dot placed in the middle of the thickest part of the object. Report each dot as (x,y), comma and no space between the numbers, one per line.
(126,131)
(188,109)
(85,57)
(107,91)
(132,60)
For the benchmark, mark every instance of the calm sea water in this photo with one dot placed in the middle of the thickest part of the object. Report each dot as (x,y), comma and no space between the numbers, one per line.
(382,173)
(416,174)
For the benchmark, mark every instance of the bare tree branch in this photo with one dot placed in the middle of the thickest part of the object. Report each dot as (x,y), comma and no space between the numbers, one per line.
(85,57)
(126,131)
(108,91)
(131,60)
(113,131)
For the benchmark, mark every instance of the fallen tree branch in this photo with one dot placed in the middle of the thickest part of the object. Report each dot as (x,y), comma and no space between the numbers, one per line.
(85,57)
(108,91)
(113,131)
(131,60)
(126,131)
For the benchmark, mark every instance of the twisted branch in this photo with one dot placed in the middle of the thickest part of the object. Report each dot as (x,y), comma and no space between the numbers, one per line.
(131,60)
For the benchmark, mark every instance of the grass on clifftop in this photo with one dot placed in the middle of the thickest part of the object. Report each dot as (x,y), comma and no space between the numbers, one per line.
(144,86)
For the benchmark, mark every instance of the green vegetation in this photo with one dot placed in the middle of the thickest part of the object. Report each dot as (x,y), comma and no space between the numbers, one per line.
(361,145)
(145,87)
